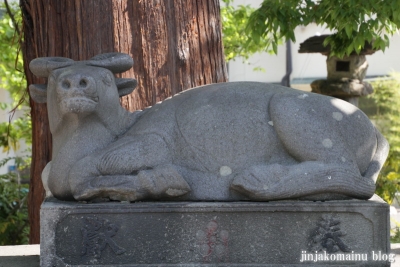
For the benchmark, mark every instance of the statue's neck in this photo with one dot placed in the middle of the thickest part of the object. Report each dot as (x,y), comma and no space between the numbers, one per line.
(76,137)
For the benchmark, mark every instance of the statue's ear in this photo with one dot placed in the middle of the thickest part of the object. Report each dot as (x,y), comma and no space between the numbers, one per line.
(38,92)
(125,86)
(42,66)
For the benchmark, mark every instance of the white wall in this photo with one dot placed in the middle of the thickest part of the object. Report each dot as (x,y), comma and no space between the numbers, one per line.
(382,63)
(274,66)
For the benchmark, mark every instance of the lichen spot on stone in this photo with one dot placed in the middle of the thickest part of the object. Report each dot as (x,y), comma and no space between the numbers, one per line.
(225,171)
(327,143)
(271,123)
(337,116)
(174,192)
(343,159)
(302,96)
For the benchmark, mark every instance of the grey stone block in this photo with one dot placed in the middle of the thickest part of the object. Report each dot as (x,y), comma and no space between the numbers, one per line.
(280,233)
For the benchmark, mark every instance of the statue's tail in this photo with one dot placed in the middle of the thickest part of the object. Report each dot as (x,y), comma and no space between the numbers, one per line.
(378,159)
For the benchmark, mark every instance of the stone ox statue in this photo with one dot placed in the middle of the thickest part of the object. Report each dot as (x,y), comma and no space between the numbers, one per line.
(227,141)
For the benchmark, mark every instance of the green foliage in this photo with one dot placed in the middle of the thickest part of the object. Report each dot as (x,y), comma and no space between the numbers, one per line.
(395,233)
(396,236)
(354,23)
(12,79)
(10,135)
(383,109)
(11,63)
(235,38)
(14,226)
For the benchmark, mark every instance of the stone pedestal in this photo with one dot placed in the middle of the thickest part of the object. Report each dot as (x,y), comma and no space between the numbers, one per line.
(281,233)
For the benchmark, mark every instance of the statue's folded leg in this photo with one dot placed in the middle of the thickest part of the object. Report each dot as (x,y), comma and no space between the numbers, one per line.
(313,180)
(161,182)
(132,168)
(332,144)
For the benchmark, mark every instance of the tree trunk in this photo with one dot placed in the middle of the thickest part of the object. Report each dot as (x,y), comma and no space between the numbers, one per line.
(176,45)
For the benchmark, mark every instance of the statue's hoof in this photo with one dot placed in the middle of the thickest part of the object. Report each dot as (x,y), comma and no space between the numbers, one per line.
(250,186)
(163,182)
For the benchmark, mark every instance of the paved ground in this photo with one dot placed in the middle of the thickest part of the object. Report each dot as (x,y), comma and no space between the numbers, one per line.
(28,256)
(20,256)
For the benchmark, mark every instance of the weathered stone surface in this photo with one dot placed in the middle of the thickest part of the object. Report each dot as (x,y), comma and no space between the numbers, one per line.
(342,87)
(357,67)
(213,233)
(314,44)
(227,141)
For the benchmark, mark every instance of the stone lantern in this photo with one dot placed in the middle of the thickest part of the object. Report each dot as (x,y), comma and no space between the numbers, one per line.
(345,75)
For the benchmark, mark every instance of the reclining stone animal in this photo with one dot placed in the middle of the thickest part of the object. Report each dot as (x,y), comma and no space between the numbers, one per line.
(227,141)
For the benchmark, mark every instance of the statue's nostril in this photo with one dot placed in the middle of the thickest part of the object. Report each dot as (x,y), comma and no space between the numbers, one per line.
(83,83)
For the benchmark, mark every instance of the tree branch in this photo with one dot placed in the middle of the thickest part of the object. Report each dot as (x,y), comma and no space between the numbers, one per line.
(12,17)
